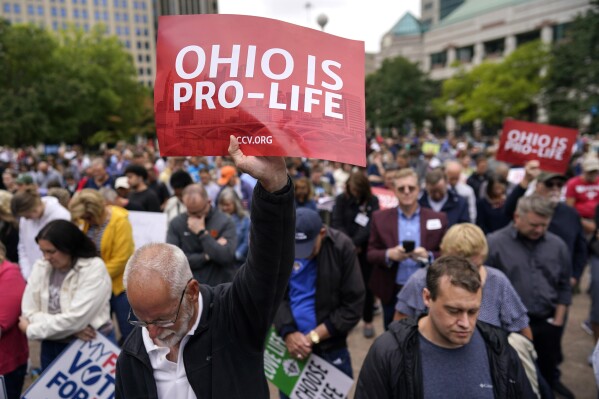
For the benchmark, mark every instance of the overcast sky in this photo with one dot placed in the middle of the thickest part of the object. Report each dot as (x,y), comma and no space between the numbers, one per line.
(353,19)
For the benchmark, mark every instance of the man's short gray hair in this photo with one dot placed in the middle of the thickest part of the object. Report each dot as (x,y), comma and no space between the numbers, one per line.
(536,204)
(165,260)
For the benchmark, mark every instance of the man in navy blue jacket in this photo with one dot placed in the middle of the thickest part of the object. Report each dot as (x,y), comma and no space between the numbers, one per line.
(438,198)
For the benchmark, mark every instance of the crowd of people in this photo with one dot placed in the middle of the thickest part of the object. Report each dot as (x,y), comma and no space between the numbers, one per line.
(472,264)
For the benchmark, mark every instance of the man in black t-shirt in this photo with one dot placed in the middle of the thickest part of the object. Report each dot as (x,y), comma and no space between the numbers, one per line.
(140,195)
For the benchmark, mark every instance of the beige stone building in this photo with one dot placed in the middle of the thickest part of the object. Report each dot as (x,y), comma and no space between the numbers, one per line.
(467,32)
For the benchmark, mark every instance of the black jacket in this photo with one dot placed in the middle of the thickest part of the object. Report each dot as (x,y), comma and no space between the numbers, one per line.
(392,369)
(339,293)
(224,358)
(211,262)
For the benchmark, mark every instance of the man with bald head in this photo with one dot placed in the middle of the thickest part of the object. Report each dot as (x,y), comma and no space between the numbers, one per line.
(197,341)
(453,173)
(206,235)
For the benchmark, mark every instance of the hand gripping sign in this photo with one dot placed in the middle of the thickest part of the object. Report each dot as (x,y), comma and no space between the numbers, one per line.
(312,378)
(524,141)
(279,88)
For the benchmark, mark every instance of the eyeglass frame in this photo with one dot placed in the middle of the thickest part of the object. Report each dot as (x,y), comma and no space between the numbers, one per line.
(159,323)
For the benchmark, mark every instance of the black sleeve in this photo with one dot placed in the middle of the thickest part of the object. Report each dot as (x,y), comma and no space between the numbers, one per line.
(512,200)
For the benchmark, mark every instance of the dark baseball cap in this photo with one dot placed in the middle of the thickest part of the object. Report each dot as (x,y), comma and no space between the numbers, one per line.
(307,227)
(546,176)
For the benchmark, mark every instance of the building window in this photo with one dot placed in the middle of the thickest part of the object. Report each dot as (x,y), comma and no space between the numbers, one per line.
(139,45)
(97,15)
(63,12)
(141,71)
(148,58)
(54,11)
(84,2)
(125,17)
(146,32)
(105,15)
(494,48)
(117,16)
(428,6)
(135,5)
(124,3)
(127,30)
(84,14)
(464,54)
(86,27)
(439,60)
(527,37)
(140,58)
(116,3)
(118,30)
(143,5)
(7,8)
(16,8)
(149,71)
(76,13)
(147,45)
(54,25)
(74,1)
(145,19)
(561,31)
(40,10)
(30,10)
(127,44)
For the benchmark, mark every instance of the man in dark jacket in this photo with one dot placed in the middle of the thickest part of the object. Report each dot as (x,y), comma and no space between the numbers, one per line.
(447,352)
(325,296)
(206,235)
(208,342)
(439,198)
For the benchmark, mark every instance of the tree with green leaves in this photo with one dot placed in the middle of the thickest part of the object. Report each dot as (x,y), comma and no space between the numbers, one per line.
(494,91)
(398,94)
(573,78)
(73,86)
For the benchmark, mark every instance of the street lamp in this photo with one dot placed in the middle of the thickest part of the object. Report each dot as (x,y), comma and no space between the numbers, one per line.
(322,20)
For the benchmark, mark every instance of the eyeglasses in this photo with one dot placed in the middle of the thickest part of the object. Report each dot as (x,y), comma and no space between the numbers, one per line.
(402,189)
(554,184)
(159,323)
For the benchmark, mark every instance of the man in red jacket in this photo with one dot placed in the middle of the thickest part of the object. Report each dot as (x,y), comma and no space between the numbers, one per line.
(402,240)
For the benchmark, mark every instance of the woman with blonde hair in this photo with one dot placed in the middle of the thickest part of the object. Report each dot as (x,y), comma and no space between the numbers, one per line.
(109,228)
(9,227)
(501,306)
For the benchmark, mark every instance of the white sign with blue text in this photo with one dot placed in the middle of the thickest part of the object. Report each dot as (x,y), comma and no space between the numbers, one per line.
(84,370)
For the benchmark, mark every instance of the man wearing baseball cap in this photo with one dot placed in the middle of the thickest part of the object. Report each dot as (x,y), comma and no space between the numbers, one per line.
(325,296)
(582,193)
(230,178)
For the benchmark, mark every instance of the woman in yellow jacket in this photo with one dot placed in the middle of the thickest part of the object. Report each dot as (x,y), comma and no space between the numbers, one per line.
(109,228)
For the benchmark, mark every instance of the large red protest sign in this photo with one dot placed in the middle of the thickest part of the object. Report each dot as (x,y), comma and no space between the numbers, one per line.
(524,141)
(280,88)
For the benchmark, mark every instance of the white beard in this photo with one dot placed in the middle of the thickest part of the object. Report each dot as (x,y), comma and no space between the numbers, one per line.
(169,338)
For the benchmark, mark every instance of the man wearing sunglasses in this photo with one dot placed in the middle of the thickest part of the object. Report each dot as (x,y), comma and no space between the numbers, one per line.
(402,240)
(197,341)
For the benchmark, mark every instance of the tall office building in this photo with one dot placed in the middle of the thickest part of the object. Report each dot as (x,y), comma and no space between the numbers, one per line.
(132,21)
(180,7)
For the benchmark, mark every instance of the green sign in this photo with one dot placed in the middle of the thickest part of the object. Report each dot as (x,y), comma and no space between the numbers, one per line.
(311,378)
